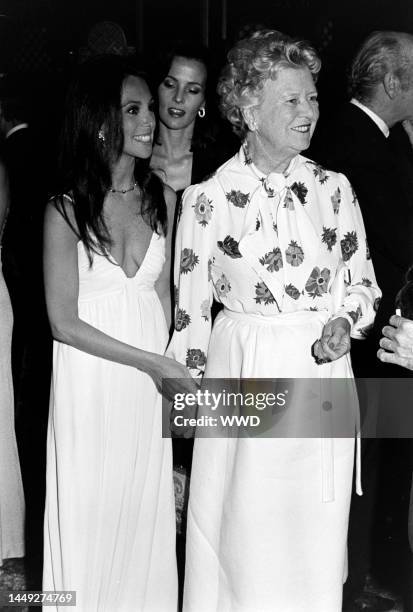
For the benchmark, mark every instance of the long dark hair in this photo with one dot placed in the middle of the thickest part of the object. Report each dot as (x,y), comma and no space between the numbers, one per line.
(205,130)
(93,101)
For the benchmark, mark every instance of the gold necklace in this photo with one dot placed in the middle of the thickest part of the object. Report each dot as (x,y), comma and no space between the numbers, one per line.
(123,191)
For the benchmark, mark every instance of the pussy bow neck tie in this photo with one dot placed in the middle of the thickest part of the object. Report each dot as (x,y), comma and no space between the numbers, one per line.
(276,224)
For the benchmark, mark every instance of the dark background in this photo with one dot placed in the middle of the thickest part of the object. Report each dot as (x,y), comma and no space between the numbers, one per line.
(147,23)
(41,40)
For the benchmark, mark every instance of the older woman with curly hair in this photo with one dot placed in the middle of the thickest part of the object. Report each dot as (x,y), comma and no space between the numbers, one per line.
(280,242)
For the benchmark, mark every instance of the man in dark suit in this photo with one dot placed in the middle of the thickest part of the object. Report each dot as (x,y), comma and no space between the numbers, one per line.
(358,142)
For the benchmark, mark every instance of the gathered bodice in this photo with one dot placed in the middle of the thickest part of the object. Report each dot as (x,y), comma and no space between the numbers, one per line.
(105,276)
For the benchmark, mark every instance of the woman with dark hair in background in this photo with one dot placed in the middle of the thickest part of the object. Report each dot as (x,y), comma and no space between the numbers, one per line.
(11,488)
(109,521)
(186,148)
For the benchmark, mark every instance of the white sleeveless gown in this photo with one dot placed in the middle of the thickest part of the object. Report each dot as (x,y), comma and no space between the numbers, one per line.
(110,516)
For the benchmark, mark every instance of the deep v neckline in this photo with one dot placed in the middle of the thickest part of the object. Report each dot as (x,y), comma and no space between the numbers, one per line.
(114,260)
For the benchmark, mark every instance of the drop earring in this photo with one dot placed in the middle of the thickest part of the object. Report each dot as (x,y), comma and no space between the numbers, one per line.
(201,113)
(101,136)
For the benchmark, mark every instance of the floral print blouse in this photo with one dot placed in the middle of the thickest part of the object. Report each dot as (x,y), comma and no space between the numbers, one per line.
(269,244)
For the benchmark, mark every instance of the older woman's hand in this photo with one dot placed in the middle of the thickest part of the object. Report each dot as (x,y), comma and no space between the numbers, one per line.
(397,344)
(334,341)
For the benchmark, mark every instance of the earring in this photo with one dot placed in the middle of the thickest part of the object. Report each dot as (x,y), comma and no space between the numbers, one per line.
(201,113)
(101,136)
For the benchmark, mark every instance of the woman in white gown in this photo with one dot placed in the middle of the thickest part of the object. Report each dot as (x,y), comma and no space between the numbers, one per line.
(109,519)
(11,487)
(277,239)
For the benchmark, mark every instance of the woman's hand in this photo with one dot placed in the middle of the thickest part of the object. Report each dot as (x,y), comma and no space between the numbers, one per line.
(334,341)
(170,377)
(397,344)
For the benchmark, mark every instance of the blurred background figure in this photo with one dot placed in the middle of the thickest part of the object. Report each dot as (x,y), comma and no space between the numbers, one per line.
(25,160)
(27,157)
(105,37)
(23,228)
(11,488)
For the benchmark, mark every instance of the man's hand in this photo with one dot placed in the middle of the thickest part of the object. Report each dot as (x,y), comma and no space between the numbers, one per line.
(397,344)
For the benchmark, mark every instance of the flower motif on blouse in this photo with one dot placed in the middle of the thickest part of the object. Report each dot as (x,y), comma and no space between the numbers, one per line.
(329,237)
(366,282)
(188,261)
(182,319)
(317,282)
(300,191)
(247,156)
(275,228)
(273,260)
(268,189)
(205,310)
(355,314)
(292,292)
(195,359)
(237,198)
(368,256)
(203,209)
(320,173)
(288,200)
(294,254)
(222,286)
(353,193)
(365,331)
(257,224)
(336,200)
(210,262)
(349,245)
(229,247)
(263,295)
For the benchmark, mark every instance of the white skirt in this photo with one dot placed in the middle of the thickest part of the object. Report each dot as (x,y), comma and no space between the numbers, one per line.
(268,517)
